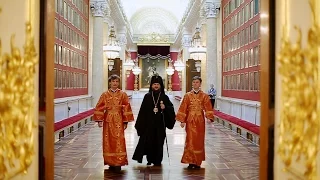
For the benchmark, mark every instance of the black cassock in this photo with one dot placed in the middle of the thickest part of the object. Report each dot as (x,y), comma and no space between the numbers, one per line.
(151,128)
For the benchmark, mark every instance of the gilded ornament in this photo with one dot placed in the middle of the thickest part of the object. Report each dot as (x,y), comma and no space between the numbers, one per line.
(154,38)
(299,118)
(17,107)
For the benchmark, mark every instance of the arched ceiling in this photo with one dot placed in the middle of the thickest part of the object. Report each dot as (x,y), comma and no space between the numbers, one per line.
(154,16)
(149,20)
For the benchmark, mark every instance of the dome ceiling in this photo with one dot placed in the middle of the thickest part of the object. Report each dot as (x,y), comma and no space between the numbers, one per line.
(149,20)
(154,16)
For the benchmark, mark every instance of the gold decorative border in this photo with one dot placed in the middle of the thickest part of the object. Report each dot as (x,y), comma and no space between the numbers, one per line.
(299,119)
(17,105)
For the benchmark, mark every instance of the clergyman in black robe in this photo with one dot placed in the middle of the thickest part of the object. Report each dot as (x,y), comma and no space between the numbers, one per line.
(155,115)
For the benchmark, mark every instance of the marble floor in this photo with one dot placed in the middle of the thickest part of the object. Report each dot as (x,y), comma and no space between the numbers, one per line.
(228,156)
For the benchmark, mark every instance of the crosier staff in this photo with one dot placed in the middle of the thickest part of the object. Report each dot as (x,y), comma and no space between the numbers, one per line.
(164,125)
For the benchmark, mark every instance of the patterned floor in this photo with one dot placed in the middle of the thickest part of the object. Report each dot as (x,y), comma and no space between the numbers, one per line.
(228,156)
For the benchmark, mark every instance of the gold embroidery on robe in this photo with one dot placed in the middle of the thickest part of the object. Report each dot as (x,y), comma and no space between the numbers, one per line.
(115,154)
(114,110)
(191,112)
(98,113)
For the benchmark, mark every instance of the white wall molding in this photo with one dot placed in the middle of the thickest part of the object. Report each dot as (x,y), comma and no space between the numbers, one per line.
(72,98)
(71,106)
(244,109)
(240,101)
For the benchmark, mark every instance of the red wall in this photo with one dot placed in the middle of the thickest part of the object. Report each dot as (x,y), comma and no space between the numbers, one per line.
(67,92)
(175,77)
(240,94)
(130,79)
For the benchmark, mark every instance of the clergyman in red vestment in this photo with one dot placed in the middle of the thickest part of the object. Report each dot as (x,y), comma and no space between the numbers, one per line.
(113,112)
(194,108)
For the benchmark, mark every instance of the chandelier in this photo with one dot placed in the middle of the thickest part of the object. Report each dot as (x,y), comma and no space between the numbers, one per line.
(110,64)
(136,69)
(128,64)
(170,70)
(178,65)
(197,51)
(112,48)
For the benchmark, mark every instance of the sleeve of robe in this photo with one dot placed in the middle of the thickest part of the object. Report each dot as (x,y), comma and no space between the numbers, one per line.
(141,119)
(99,110)
(127,111)
(169,114)
(208,108)
(183,109)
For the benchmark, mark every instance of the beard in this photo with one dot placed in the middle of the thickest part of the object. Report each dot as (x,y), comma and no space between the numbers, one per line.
(156,90)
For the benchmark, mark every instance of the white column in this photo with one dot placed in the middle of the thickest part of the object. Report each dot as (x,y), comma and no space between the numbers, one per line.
(218,86)
(123,42)
(204,65)
(90,55)
(123,71)
(99,9)
(186,43)
(185,54)
(105,58)
(211,22)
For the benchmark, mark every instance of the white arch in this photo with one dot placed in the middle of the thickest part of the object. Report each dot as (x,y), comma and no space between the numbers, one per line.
(149,20)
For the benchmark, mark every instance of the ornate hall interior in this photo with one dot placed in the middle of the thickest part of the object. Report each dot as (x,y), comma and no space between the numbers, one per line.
(260,56)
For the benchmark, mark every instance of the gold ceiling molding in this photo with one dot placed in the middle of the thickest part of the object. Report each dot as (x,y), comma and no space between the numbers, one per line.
(153,38)
(299,115)
(17,106)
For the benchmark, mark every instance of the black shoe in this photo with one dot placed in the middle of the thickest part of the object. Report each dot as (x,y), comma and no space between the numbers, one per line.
(111,167)
(157,164)
(149,164)
(196,167)
(117,168)
(190,166)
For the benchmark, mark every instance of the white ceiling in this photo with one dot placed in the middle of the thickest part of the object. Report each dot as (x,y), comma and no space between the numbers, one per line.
(159,16)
